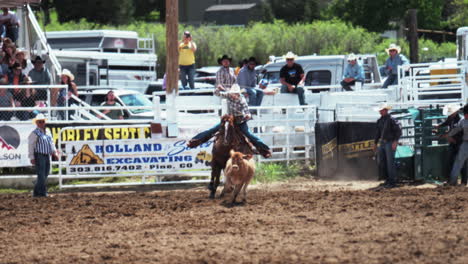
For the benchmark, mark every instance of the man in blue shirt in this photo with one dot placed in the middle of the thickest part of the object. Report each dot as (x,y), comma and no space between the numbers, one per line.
(247,79)
(392,63)
(354,72)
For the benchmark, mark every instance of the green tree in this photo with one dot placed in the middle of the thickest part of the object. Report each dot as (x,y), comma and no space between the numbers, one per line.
(97,11)
(378,15)
(150,10)
(459,17)
(294,11)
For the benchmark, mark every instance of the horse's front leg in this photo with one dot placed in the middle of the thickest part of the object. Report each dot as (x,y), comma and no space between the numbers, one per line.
(214,182)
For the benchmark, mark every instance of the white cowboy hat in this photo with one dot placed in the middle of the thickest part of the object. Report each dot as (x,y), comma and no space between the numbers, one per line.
(39,117)
(68,73)
(393,46)
(352,57)
(450,109)
(290,55)
(235,89)
(383,106)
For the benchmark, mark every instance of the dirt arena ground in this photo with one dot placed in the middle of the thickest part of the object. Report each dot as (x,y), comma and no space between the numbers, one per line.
(297,222)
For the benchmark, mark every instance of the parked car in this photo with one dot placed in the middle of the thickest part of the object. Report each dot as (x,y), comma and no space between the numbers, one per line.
(96,96)
(206,74)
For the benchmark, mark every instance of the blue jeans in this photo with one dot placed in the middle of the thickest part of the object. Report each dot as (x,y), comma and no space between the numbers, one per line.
(386,162)
(298,90)
(187,71)
(392,79)
(256,141)
(460,161)
(207,134)
(255,96)
(42,170)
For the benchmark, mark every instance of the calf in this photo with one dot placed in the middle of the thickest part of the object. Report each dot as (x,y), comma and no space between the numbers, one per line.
(240,170)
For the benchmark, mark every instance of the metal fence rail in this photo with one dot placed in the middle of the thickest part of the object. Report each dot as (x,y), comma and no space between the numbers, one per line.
(441,82)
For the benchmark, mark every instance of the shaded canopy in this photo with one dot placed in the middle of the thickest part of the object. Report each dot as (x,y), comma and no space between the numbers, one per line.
(15,3)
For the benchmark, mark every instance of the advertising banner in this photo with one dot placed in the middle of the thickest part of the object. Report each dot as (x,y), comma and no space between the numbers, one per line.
(152,155)
(89,134)
(14,144)
(326,140)
(355,148)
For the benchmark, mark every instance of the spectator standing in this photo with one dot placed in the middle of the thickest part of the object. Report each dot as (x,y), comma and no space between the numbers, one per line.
(292,77)
(391,64)
(451,111)
(9,24)
(225,76)
(40,76)
(6,101)
(354,72)
(41,147)
(187,49)
(64,96)
(110,101)
(247,79)
(385,144)
(462,155)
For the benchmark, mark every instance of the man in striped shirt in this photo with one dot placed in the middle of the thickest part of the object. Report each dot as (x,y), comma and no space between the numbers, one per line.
(41,147)
(225,76)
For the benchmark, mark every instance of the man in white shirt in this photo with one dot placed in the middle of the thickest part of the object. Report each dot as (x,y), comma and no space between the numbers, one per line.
(9,24)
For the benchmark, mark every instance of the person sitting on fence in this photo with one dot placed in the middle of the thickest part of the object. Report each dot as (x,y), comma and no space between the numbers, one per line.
(110,101)
(391,64)
(225,76)
(237,106)
(6,101)
(292,77)
(354,72)
(247,79)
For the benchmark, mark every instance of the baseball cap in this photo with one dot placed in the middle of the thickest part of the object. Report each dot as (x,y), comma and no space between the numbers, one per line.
(187,33)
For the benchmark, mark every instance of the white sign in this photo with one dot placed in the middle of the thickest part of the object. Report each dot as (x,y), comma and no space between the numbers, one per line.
(153,155)
(14,144)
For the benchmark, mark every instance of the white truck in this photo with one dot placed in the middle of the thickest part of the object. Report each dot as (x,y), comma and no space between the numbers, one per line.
(106,57)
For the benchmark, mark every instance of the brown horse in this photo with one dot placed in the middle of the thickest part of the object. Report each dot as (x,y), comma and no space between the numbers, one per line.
(229,137)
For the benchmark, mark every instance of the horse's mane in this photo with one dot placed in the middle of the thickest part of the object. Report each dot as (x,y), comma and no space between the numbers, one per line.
(235,137)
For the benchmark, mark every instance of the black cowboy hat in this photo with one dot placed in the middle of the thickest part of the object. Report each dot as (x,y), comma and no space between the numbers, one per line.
(38,58)
(224,57)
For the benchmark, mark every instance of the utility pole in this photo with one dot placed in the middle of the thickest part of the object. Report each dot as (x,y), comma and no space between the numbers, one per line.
(172,58)
(413,35)
(172,50)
